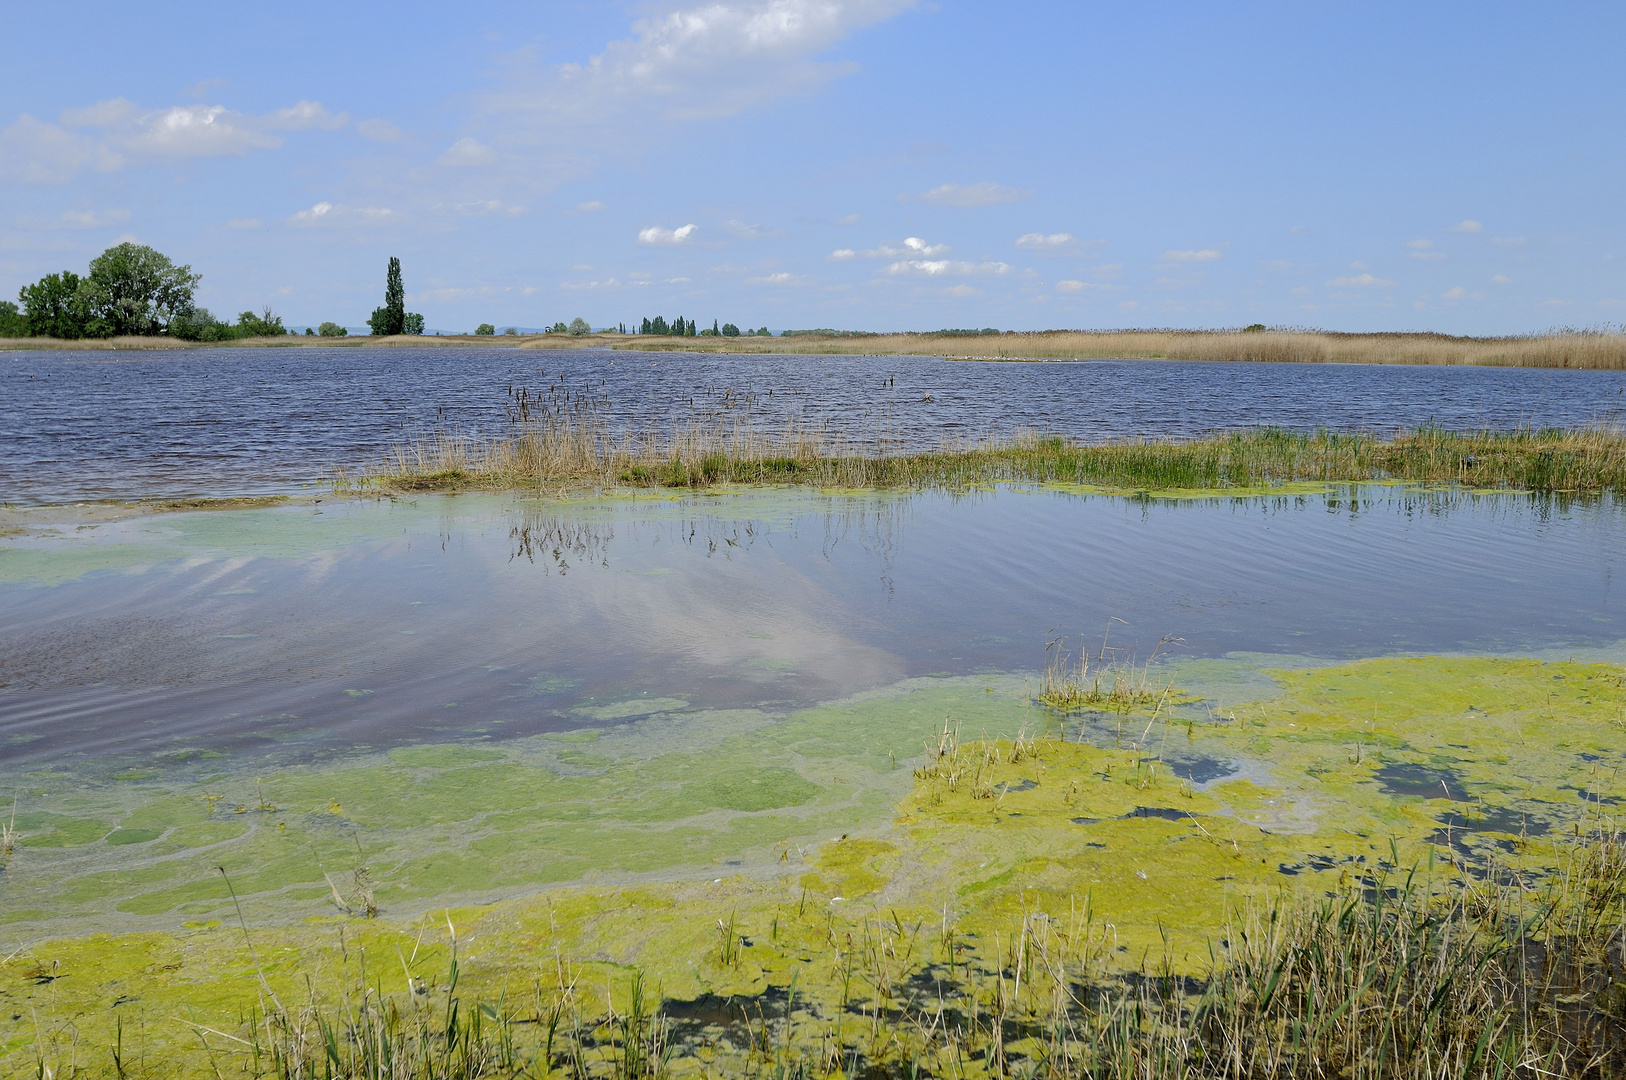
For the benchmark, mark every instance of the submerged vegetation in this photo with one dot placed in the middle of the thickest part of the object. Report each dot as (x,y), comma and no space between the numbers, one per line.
(564,440)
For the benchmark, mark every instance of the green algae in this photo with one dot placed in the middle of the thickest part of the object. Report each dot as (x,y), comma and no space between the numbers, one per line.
(637,865)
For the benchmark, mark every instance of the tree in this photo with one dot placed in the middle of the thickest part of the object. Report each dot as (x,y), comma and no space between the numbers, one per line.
(646,327)
(13,323)
(135,290)
(485,329)
(412,324)
(264,324)
(730,330)
(762,331)
(658,326)
(54,306)
(578,327)
(391,318)
(332,329)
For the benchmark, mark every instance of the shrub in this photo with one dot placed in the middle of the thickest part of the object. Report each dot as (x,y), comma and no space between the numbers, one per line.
(510,331)
(485,329)
(264,324)
(332,329)
(578,327)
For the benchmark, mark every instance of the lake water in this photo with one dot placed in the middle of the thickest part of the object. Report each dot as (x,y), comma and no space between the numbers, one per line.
(100,425)
(492,693)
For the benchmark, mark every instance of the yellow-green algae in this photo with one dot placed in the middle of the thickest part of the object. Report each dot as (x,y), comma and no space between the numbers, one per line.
(945,859)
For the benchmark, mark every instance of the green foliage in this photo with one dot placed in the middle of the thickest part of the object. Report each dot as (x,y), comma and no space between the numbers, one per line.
(730,330)
(13,324)
(264,324)
(54,306)
(199,324)
(309,332)
(510,331)
(412,324)
(132,289)
(1254,328)
(578,327)
(390,319)
(332,329)
(485,329)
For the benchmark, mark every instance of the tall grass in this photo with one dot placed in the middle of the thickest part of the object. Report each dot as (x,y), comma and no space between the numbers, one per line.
(1442,972)
(1561,348)
(571,443)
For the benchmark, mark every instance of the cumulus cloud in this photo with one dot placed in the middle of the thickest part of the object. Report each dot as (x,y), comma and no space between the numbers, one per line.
(589,207)
(109,134)
(331,214)
(1357,281)
(1199,255)
(781,278)
(850,219)
(1467,226)
(970,196)
(938,267)
(843,253)
(962,290)
(465,153)
(1456,293)
(1049,242)
(712,59)
(912,245)
(657,235)
(1072,286)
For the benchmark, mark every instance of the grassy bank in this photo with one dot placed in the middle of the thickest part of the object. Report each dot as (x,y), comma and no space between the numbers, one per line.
(575,449)
(1568,349)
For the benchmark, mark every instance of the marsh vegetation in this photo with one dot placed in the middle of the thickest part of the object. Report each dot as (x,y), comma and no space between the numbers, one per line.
(567,439)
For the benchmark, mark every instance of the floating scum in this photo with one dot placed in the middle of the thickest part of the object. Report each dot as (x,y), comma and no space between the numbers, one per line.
(814,885)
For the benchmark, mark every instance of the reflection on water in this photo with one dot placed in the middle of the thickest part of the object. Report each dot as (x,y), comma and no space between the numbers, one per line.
(287,630)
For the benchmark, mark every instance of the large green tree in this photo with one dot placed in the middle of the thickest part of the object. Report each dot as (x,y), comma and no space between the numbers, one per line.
(132,289)
(54,306)
(391,318)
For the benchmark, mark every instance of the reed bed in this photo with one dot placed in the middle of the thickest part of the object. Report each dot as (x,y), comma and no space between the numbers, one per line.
(1602,348)
(1437,973)
(570,443)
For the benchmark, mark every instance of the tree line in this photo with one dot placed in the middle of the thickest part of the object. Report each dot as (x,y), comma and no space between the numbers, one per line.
(682,327)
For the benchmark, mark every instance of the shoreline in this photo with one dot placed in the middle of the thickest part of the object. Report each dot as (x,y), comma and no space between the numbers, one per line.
(1581,350)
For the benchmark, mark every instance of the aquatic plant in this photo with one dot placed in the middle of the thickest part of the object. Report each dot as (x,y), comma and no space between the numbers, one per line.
(1108,681)
(565,438)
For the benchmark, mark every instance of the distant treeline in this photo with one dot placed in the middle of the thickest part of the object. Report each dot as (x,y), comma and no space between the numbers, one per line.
(682,327)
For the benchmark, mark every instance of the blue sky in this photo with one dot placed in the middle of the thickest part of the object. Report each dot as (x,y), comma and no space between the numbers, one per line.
(865,164)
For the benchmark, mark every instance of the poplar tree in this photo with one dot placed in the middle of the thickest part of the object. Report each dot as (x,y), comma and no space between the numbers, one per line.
(391,318)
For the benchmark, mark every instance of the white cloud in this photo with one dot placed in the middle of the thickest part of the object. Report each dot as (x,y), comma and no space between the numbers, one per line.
(1201,255)
(1072,286)
(1455,293)
(1428,256)
(306,114)
(1501,279)
(1508,241)
(843,253)
(330,214)
(850,219)
(1420,245)
(912,245)
(108,134)
(482,208)
(938,267)
(589,207)
(1467,225)
(467,152)
(1358,281)
(657,235)
(608,283)
(1053,242)
(970,196)
(962,290)
(378,130)
(76,219)
(244,223)
(714,59)
(781,278)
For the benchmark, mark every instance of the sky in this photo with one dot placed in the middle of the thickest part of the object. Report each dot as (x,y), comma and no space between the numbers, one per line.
(855,164)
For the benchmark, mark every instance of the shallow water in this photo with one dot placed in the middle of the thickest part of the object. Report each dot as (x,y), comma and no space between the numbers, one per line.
(493,693)
(382,623)
(100,425)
